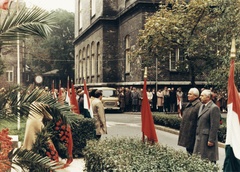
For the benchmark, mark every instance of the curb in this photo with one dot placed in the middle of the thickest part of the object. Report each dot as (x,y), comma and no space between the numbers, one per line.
(173,131)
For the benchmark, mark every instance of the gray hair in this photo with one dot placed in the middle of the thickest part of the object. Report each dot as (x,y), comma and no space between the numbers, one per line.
(207,93)
(194,91)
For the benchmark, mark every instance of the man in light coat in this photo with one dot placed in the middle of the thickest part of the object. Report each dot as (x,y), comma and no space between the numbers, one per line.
(206,143)
(99,114)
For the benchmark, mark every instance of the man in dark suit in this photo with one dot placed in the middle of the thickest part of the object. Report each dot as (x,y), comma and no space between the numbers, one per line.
(206,143)
(189,117)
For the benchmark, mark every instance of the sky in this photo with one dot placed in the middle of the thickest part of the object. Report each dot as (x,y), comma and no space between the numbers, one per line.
(53,4)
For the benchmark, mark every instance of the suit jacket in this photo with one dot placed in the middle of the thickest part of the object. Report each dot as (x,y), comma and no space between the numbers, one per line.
(99,115)
(207,130)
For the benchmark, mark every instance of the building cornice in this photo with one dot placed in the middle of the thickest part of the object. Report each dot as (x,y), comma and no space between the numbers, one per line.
(113,19)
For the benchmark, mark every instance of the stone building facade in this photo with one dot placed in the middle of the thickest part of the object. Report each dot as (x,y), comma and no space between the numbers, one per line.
(105,35)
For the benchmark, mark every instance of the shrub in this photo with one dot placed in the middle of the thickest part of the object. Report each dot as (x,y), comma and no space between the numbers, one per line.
(130,154)
(82,131)
(173,121)
(222,133)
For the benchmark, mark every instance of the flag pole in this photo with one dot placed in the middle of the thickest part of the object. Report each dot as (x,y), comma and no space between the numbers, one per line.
(233,50)
(145,78)
(18,74)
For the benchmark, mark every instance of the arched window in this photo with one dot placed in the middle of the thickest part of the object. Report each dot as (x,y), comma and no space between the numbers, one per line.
(99,62)
(93,59)
(79,71)
(84,63)
(88,63)
(127,54)
(76,68)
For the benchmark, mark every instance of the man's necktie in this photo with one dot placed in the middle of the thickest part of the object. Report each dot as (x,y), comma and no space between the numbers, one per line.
(203,107)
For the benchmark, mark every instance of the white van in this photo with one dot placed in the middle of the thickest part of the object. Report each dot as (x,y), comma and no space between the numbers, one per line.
(110,97)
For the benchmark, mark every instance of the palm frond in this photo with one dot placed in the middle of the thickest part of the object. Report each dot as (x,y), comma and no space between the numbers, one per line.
(26,22)
(30,161)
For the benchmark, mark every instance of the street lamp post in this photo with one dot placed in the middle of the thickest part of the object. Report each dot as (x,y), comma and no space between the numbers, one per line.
(156,73)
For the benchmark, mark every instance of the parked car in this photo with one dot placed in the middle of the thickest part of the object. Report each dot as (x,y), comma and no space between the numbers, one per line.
(110,98)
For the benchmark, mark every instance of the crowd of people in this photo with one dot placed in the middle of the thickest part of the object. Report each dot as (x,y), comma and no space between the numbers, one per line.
(163,100)
(166,99)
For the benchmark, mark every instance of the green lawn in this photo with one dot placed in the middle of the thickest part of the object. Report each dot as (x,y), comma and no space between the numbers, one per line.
(11,124)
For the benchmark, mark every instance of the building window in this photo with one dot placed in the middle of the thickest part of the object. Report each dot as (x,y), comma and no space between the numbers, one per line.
(88,62)
(76,66)
(99,62)
(80,12)
(127,54)
(174,58)
(28,78)
(9,75)
(79,71)
(84,63)
(93,59)
(93,7)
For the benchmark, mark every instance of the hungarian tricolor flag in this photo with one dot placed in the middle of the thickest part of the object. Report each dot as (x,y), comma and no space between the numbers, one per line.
(54,95)
(73,100)
(4,4)
(87,112)
(148,128)
(232,144)
(179,106)
(68,96)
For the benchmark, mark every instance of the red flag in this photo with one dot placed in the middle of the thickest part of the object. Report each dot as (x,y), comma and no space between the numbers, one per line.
(86,102)
(4,4)
(148,128)
(73,100)
(60,95)
(69,146)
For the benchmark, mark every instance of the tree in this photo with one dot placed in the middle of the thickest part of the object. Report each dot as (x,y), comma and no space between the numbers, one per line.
(18,25)
(201,29)
(57,51)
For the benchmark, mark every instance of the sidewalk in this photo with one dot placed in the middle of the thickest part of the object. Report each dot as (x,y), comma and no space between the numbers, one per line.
(77,165)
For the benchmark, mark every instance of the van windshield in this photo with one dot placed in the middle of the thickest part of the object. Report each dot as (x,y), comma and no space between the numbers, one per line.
(109,93)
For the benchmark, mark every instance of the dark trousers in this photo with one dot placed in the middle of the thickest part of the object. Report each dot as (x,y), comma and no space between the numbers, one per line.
(160,108)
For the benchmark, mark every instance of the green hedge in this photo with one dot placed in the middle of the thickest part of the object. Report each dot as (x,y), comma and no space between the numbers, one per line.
(173,121)
(82,131)
(130,154)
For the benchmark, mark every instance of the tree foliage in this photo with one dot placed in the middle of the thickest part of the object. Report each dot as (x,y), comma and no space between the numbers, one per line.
(57,51)
(202,29)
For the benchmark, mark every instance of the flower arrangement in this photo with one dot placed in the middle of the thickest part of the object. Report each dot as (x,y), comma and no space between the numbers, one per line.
(5,148)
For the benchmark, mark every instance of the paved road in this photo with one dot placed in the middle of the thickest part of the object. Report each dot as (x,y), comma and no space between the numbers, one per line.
(129,125)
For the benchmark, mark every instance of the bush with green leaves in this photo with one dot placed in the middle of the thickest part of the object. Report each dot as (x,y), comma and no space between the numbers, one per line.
(168,120)
(130,154)
(82,131)
(173,121)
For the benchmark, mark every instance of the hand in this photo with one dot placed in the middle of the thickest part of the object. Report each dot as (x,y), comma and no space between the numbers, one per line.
(210,143)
